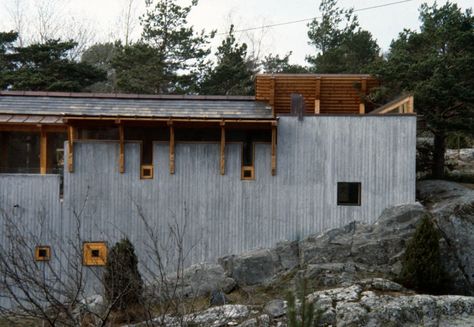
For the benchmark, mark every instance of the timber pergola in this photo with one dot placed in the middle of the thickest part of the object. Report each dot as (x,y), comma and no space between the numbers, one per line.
(68,113)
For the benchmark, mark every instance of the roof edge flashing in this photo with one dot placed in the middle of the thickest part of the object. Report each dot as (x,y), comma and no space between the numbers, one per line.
(126,96)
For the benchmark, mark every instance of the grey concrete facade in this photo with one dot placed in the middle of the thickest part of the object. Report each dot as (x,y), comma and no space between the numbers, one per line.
(222,215)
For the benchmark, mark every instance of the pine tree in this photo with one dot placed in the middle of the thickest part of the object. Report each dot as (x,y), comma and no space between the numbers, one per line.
(43,66)
(421,264)
(436,64)
(170,56)
(122,280)
(233,74)
(343,46)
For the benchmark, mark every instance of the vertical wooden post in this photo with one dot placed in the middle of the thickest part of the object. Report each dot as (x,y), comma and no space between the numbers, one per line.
(274,149)
(317,97)
(121,149)
(411,105)
(363,89)
(70,155)
(170,124)
(43,152)
(222,157)
(272,95)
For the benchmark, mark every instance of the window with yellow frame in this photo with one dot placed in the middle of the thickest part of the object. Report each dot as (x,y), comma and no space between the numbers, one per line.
(94,253)
(42,253)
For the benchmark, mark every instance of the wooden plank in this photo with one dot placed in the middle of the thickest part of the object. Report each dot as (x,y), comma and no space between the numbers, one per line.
(411,104)
(222,156)
(172,166)
(272,95)
(43,152)
(317,107)
(121,149)
(70,157)
(274,149)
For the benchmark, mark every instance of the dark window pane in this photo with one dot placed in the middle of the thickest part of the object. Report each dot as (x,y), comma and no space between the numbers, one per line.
(95,253)
(348,193)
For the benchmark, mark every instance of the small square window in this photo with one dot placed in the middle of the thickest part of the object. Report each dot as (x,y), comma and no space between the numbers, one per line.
(248,173)
(348,194)
(94,253)
(146,172)
(42,253)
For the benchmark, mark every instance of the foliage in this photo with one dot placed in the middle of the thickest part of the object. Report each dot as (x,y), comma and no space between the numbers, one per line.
(273,64)
(169,58)
(344,47)
(424,159)
(43,66)
(122,281)
(100,55)
(307,315)
(6,48)
(437,65)
(421,264)
(233,74)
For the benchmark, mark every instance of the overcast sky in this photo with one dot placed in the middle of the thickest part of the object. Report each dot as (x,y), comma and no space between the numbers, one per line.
(105,18)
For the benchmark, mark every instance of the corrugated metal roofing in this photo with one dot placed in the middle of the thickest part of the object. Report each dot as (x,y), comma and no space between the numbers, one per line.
(113,106)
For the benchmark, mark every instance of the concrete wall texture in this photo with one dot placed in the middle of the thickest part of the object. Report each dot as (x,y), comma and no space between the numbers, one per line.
(222,215)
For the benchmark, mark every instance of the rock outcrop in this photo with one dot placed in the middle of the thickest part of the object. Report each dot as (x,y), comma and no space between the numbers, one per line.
(353,266)
(452,206)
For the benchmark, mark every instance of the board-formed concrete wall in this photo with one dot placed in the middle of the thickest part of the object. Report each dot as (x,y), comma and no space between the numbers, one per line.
(222,215)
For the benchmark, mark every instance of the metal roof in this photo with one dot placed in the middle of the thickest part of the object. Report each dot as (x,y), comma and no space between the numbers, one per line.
(59,105)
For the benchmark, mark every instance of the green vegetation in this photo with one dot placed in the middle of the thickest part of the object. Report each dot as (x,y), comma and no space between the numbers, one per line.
(122,281)
(343,47)
(306,314)
(422,269)
(436,64)
(233,74)
(43,66)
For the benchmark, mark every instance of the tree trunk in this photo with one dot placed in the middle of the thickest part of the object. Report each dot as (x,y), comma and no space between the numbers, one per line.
(439,149)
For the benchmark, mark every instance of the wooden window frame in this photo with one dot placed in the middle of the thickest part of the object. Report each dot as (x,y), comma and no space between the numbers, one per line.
(39,257)
(143,172)
(88,259)
(359,194)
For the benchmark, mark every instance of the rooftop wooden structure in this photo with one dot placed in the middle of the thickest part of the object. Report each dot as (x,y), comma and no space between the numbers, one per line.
(323,94)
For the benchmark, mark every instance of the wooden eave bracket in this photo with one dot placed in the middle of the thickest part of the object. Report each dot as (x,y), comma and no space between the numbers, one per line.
(70,155)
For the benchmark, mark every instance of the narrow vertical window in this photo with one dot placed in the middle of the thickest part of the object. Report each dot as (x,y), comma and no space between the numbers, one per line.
(348,194)
(146,171)
(248,169)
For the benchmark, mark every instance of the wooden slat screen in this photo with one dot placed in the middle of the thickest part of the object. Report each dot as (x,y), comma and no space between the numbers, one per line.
(338,94)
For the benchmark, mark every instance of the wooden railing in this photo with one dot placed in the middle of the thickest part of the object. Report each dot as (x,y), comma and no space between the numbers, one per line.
(400,105)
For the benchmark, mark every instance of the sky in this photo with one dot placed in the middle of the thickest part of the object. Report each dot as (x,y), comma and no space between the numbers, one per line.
(102,20)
